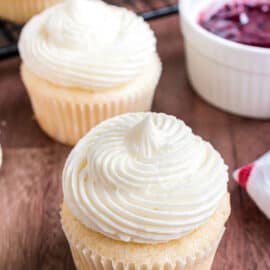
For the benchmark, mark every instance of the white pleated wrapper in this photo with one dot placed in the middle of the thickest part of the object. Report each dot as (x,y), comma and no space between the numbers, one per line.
(85,258)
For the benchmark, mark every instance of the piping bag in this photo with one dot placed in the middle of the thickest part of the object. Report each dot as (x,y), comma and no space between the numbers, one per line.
(254,178)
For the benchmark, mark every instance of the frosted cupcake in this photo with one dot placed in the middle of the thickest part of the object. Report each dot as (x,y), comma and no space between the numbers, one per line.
(20,11)
(141,191)
(85,61)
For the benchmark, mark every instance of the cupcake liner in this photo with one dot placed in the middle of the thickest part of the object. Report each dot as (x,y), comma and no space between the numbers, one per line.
(85,255)
(68,114)
(20,11)
(85,259)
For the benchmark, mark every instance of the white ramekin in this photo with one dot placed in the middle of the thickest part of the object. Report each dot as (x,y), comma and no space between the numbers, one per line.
(229,75)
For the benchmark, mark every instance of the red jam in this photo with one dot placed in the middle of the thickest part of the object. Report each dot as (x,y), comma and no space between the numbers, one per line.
(247,22)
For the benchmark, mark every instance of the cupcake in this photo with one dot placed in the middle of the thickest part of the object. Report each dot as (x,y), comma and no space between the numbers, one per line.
(20,11)
(141,191)
(86,61)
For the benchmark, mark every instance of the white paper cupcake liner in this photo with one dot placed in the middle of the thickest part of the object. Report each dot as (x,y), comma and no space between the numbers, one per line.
(67,122)
(68,114)
(85,258)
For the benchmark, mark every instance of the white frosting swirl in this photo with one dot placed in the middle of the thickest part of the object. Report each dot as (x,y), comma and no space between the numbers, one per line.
(87,44)
(143,177)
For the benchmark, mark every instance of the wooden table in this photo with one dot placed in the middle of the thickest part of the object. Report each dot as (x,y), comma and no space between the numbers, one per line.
(30,179)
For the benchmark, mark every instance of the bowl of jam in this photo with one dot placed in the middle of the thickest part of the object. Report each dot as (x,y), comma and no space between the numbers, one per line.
(227,46)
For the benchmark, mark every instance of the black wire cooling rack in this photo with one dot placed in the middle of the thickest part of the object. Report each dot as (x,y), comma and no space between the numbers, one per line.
(148,9)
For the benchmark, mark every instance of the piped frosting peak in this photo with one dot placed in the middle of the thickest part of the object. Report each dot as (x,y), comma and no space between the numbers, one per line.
(146,140)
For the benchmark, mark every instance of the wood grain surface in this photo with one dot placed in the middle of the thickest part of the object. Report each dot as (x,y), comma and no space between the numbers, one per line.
(31,237)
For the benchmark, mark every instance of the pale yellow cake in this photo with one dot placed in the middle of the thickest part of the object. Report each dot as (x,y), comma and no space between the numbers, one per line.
(80,69)
(195,251)
(20,11)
